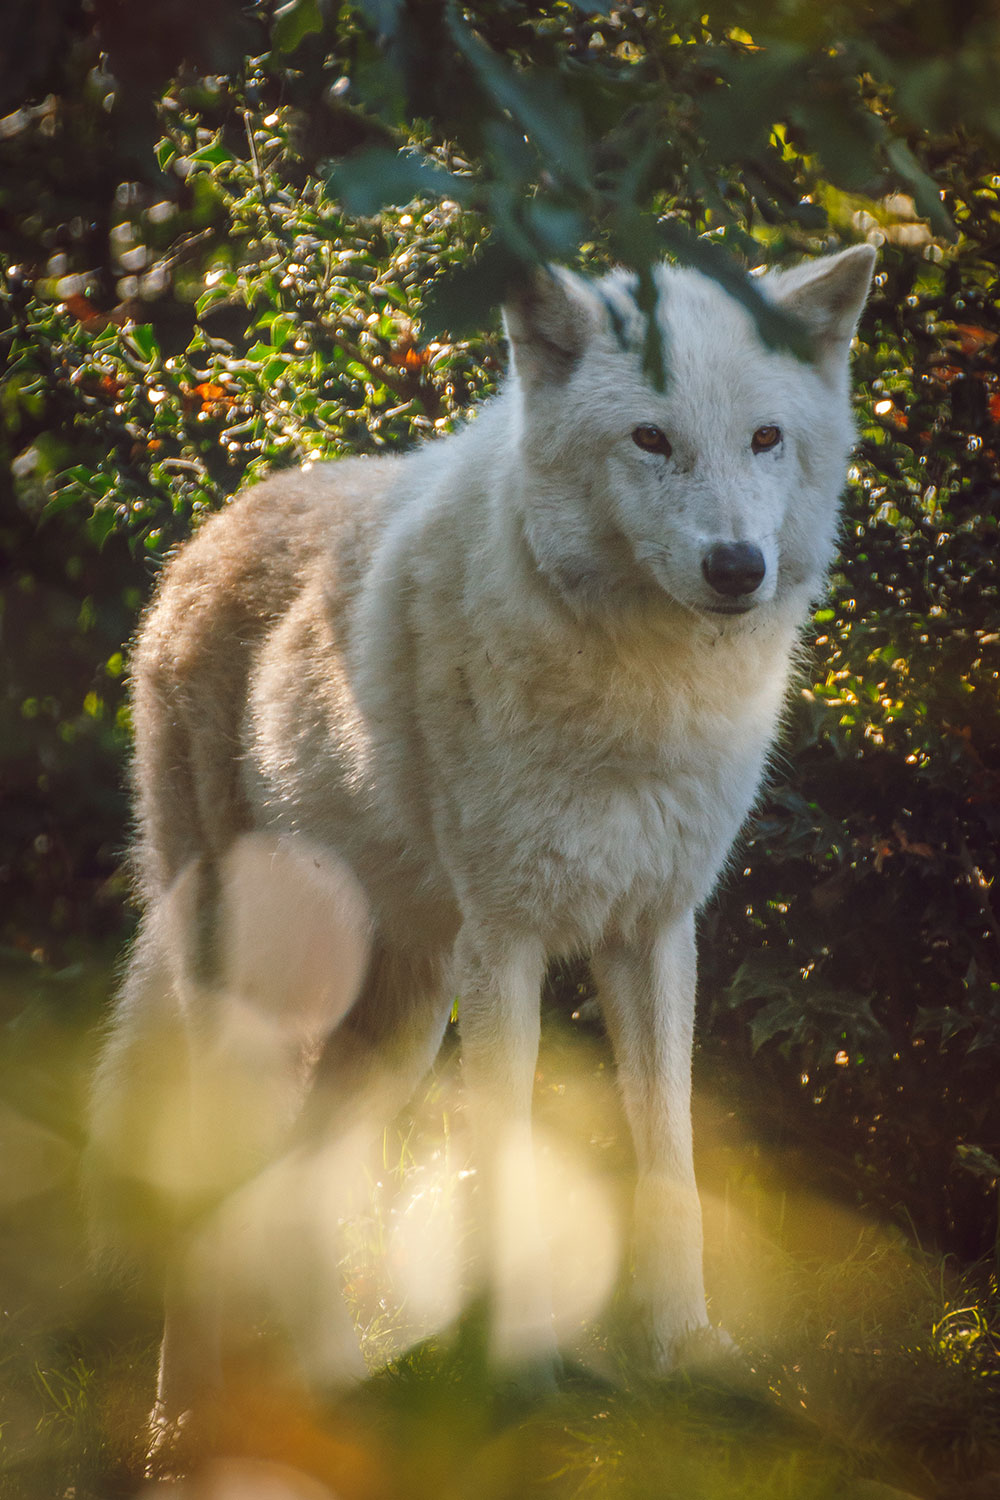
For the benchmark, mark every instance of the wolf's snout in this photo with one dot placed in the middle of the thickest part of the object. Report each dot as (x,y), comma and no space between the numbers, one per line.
(734,568)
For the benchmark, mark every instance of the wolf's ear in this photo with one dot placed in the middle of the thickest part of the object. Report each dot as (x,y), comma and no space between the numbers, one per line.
(828,295)
(550,319)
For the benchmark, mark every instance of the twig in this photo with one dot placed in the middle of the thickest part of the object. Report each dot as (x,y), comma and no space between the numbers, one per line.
(402,385)
(980,890)
(258,174)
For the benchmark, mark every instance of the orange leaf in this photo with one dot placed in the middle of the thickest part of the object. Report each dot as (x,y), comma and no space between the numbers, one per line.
(84,310)
(406,356)
(973,338)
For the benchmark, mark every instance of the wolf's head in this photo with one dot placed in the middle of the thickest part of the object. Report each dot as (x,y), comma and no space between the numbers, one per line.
(718,493)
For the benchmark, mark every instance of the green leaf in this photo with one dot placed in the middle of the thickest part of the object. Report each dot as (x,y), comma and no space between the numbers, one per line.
(283,328)
(845,139)
(100,524)
(377,178)
(382,16)
(293,22)
(216,155)
(979,1162)
(465,301)
(557,228)
(943,1019)
(211,297)
(654,356)
(143,340)
(64,499)
(925,190)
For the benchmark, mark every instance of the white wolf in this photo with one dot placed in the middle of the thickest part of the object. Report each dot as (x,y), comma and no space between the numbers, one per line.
(522,683)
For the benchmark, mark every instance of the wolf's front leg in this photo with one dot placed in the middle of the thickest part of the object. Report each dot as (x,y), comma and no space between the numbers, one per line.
(499,983)
(647,992)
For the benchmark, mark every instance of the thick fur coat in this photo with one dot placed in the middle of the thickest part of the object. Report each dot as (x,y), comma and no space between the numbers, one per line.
(522,685)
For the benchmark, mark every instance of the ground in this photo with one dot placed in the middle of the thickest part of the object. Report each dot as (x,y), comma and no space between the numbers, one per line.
(864,1363)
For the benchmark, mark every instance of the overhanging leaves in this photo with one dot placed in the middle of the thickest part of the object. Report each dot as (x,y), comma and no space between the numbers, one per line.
(535,100)
(777,328)
(376,178)
(293,22)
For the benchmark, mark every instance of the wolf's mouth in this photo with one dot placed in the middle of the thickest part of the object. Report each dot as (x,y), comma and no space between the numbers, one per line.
(729,609)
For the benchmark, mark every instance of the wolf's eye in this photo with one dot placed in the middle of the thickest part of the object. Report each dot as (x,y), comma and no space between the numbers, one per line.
(651,440)
(765,438)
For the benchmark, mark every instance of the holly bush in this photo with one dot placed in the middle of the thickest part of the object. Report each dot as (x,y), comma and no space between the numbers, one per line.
(863,929)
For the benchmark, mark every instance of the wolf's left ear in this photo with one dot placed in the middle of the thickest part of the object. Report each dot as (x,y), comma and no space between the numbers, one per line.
(828,295)
(550,319)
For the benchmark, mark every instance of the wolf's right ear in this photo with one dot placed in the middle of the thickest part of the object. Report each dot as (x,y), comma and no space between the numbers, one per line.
(550,319)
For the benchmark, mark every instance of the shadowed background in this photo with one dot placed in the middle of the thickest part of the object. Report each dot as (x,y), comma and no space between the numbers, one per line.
(215,261)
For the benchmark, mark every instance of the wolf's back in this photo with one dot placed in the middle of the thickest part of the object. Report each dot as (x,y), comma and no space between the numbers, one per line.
(193,657)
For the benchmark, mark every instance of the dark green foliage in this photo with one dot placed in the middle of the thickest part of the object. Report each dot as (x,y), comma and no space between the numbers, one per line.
(864,924)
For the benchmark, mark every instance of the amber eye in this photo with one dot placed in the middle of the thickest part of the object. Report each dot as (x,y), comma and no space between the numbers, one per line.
(651,440)
(765,438)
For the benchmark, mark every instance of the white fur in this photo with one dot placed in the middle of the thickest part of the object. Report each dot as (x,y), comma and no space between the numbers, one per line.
(490,678)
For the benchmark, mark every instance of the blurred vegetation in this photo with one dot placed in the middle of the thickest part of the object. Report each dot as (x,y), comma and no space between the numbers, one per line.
(237,236)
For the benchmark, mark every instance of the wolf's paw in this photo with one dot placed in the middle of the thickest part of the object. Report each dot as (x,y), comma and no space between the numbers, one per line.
(169,1444)
(699,1351)
(704,1350)
(522,1388)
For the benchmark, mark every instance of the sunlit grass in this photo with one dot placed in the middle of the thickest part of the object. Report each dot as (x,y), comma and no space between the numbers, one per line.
(862,1358)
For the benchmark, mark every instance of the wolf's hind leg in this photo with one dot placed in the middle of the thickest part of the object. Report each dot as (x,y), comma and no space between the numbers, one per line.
(371,1067)
(385,1046)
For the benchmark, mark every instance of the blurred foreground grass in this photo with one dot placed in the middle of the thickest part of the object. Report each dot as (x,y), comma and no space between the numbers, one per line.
(865,1361)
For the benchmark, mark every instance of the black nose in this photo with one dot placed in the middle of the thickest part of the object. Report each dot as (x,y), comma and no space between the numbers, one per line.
(734,568)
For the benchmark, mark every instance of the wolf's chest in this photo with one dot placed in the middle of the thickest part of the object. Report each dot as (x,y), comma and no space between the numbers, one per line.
(576,837)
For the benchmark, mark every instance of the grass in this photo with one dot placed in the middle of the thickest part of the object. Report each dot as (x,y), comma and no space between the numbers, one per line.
(864,1361)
